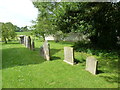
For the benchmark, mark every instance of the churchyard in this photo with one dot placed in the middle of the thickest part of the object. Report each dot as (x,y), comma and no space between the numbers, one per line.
(56,65)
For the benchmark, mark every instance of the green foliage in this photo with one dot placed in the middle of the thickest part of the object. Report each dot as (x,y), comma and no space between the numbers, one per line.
(98,20)
(8,31)
(17,29)
(108,59)
(43,26)
(25,28)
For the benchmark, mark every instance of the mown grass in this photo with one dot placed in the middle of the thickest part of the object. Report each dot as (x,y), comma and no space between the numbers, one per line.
(23,68)
(24,33)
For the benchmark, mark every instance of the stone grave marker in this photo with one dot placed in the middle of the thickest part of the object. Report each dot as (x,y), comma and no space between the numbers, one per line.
(21,39)
(41,51)
(91,64)
(29,42)
(69,55)
(45,51)
(33,45)
(25,40)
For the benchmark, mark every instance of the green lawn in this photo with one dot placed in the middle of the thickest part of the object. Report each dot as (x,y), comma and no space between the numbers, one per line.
(24,33)
(22,68)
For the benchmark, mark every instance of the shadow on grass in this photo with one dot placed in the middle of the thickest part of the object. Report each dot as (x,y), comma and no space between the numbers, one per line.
(52,52)
(107,61)
(76,61)
(11,42)
(66,42)
(19,57)
(55,58)
(99,72)
(111,79)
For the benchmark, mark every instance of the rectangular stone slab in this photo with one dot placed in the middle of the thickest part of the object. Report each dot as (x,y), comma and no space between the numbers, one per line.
(45,51)
(33,46)
(21,39)
(69,55)
(91,65)
(25,40)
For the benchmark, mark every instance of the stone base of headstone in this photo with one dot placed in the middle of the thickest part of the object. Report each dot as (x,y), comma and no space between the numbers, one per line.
(69,62)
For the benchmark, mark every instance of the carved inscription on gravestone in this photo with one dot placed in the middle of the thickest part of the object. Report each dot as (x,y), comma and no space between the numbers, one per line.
(69,55)
(91,64)
(45,51)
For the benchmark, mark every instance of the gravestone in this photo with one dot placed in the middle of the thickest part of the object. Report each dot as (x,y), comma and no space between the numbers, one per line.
(29,42)
(25,40)
(45,51)
(69,55)
(91,65)
(33,46)
(41,51)
(21,39)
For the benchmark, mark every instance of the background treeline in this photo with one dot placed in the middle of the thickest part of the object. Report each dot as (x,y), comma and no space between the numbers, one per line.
(9,30)
(100,21)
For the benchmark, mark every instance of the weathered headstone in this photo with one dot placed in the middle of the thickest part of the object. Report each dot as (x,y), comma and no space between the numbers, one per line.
(25,40)
(41,51)
(91,65)
(29,42)
(45,51)
(21,39)
(33,46)
(69,55)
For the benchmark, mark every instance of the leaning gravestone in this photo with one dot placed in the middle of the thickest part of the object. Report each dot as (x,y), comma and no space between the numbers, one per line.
(21,39)
(45,51)
(69,55)
(91,65)
(33,46)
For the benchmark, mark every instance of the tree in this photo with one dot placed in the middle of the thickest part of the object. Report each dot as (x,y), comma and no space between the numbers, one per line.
(24,28)
(98,20)
(44,24)
(8,31)
(17,29)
